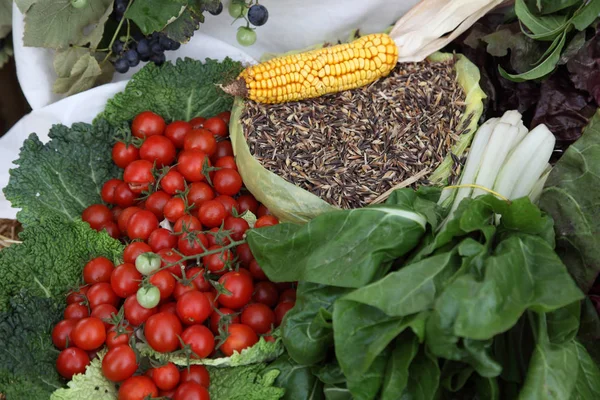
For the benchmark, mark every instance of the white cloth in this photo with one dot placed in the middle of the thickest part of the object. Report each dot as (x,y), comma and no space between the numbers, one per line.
(292,24)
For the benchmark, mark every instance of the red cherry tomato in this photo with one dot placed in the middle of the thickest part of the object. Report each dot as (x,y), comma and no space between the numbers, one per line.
(61,333)
(256,271)
(98,270)
(182,288)
(76,311)
(224,149)
(202,140)
(244,254)
(237,226)
(113,338)
(266,293)
(240,286)
(266,220)
(159,150)
(262,211)
(77,296)
(225,116)
(116,211)
(97,215)
(281,310)
(125,216)
(229,203)
(172,182)
(199,193)
(193,308)
(108,190)
(170,307)
(119,363)
(173,260)
(124,154)
(187,223)
(227,181)
(162,238)
(147,124)
(139,175)
(104,312)
(247,202)
(288,295)
(212,213)
(72,361)
(218,262)
(197,122)
(133,250)
(215,318)
(190,164)
(200,339)
(162,332)
(196,373)
(192,243)
(141,225)
(89,333)
(259,317)
(165,283)
(191,391)
(112,229)
(175,209)
(176,131)
(227,162)
(135,313)
(216,238)
(156,202)
(124,196)
(217,126)
(137,388)
(197,276)
(166,377)
(240,337)
(102,293)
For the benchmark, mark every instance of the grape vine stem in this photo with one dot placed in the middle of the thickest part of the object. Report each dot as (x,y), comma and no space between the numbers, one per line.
(116,34)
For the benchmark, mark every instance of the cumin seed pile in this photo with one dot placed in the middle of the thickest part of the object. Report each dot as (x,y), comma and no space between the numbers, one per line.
(350,147)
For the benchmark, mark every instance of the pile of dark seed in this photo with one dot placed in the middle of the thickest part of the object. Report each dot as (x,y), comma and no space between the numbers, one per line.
(348,148)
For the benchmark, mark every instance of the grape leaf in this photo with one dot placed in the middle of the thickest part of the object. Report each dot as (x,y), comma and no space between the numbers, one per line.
(153,15)
(95,36)
(81,76)
(183,28)
(57,24)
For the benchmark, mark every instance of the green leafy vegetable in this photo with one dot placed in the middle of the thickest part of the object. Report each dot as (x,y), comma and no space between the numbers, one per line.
(153,15)
(575,211)
(297,380)
(92,385)
(179,91)
(51,258)
(64,176)
(251,382)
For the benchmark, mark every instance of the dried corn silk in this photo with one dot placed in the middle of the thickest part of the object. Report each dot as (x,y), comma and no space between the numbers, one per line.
(350,147)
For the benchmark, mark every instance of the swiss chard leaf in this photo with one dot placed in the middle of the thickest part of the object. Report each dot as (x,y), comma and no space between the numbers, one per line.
(576,212)
(297,380)
(64,176)
(423,377)
(396,374)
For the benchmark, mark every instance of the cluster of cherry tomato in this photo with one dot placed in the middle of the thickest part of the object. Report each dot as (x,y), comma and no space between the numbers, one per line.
(191,286)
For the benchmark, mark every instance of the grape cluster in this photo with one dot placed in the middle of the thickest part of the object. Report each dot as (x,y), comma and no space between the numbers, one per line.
(151,48)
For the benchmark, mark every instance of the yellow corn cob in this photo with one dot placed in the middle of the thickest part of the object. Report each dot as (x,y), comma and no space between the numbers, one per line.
(318,72)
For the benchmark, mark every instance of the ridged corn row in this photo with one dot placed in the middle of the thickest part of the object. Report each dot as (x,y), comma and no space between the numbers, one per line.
(318,72)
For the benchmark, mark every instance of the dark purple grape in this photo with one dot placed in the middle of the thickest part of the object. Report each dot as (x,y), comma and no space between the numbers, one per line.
(121,65)
(132,57)
(258,15)
(158,59)
(216,11)
(143,47)
(117,47)
(156,49)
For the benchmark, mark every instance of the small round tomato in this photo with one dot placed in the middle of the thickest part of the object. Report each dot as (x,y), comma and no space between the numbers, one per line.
(102,293)
(224,149)
(112,229)
(116,211)
(200,139)
(162,239)
(193,308)
(247,202)
(182,287)
(104,312)
(125,280)
(147,124)
(156,202)
(218,262)
(138,388)
(196,373)
(89,333)
(229,203)
(288,295)
(61,333)
(108,190)
(212,213)
(197,122)
(240,286)
(192,243)
(97,215)
(148,296)
(266,220)
(170,307)
(77,296)
(165,283)
(282,286)
(162,332)
(245,272)
(133,250)
(172,261)
(256,271)
(259,317)
(124,154)
(98,270)
(124,218)
(135,313)
(266,293)
(215,318)
(216,237)
(225,116)
(281,310)
(190,164)
(262,211)
(199,193)
(175,209)
(72,361)
(200,339)
(237,226)
(166,377)
(124,196)
(176,131)
(142,224)
(119,363)
(76,311)
(212,297)
(147,263)
(227,182)
(159,150)
(172,182)
(227,162)
(191,391)
(217,126)
(114,338)
(139,175)
(187,223)
(239,337)
(197,276)
(244,254)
